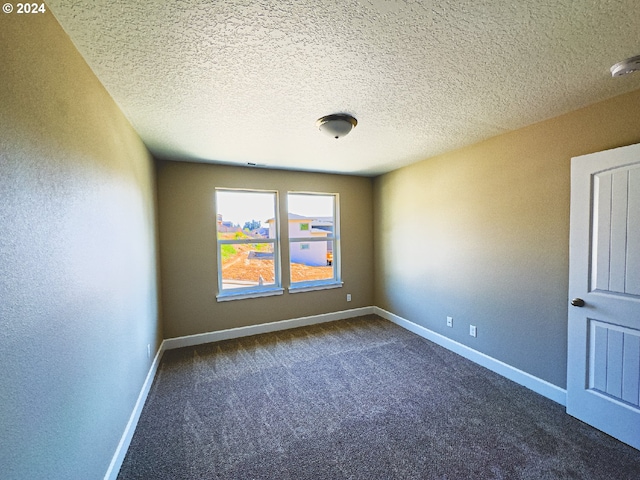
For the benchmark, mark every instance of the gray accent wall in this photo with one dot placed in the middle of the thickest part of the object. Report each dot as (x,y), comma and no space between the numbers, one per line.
(482,234)
(78,275)
(187,229)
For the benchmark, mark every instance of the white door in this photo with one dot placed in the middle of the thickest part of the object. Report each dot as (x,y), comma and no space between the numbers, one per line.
(603,373)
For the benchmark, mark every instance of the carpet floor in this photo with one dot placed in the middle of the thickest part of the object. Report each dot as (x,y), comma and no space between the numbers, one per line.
(355,399)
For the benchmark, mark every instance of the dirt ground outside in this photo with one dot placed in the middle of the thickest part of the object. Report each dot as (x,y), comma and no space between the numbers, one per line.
(245,270)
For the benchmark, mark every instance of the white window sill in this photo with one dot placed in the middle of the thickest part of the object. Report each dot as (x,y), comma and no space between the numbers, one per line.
(228,296)
(312,287)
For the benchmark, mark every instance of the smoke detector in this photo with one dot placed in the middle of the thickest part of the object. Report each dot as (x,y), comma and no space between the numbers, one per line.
(625,67)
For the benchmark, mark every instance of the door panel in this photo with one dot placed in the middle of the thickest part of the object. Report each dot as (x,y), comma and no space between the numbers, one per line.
(616,229)
(614,361)
(633,234)
(603,378)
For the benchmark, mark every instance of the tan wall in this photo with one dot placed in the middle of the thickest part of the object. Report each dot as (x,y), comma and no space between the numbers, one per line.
(482,234)
(77,259)
(188,247)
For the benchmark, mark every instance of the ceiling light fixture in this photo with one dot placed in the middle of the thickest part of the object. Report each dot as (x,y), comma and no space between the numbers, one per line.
(337,125)
(624,67)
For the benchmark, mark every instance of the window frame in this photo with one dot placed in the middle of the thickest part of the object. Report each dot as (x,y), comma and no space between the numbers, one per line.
(336,280)
(252,291)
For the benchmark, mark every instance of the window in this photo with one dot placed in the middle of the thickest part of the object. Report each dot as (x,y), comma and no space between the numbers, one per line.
(314,241)
(248,250)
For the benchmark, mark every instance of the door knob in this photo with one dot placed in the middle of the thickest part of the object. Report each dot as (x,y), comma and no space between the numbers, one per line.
(577,302)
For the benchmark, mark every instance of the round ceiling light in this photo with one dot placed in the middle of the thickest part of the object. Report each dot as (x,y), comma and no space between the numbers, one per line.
(624,67)
(337,125)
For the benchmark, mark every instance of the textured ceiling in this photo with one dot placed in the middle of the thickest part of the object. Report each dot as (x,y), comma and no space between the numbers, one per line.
(244,81)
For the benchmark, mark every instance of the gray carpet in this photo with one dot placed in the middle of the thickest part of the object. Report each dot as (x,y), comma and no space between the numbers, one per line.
(355,399)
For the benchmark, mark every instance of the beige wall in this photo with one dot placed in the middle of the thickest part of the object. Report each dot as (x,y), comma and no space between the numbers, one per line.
(77,259)
(188,247)
(482,234)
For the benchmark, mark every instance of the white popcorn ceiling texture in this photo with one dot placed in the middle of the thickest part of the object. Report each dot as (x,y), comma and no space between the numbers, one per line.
(244,81)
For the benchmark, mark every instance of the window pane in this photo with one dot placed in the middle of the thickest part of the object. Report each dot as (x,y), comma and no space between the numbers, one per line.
(249,212)
(310,215)
(312,234)
(311,261)
(247,248)
(247,265)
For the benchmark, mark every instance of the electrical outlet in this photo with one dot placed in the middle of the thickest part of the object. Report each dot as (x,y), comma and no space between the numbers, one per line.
(449,321)
(473,331)
(348,297)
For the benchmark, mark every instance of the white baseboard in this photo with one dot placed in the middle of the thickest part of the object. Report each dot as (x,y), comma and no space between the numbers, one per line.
(190,340)
(525,379)
(230,333)
(125,440)
(544,388)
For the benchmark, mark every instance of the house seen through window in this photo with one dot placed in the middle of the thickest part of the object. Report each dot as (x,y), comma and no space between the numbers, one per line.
(313,239)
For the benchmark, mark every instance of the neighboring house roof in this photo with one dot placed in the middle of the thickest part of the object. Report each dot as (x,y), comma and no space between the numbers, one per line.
(316,223)
(295,216)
